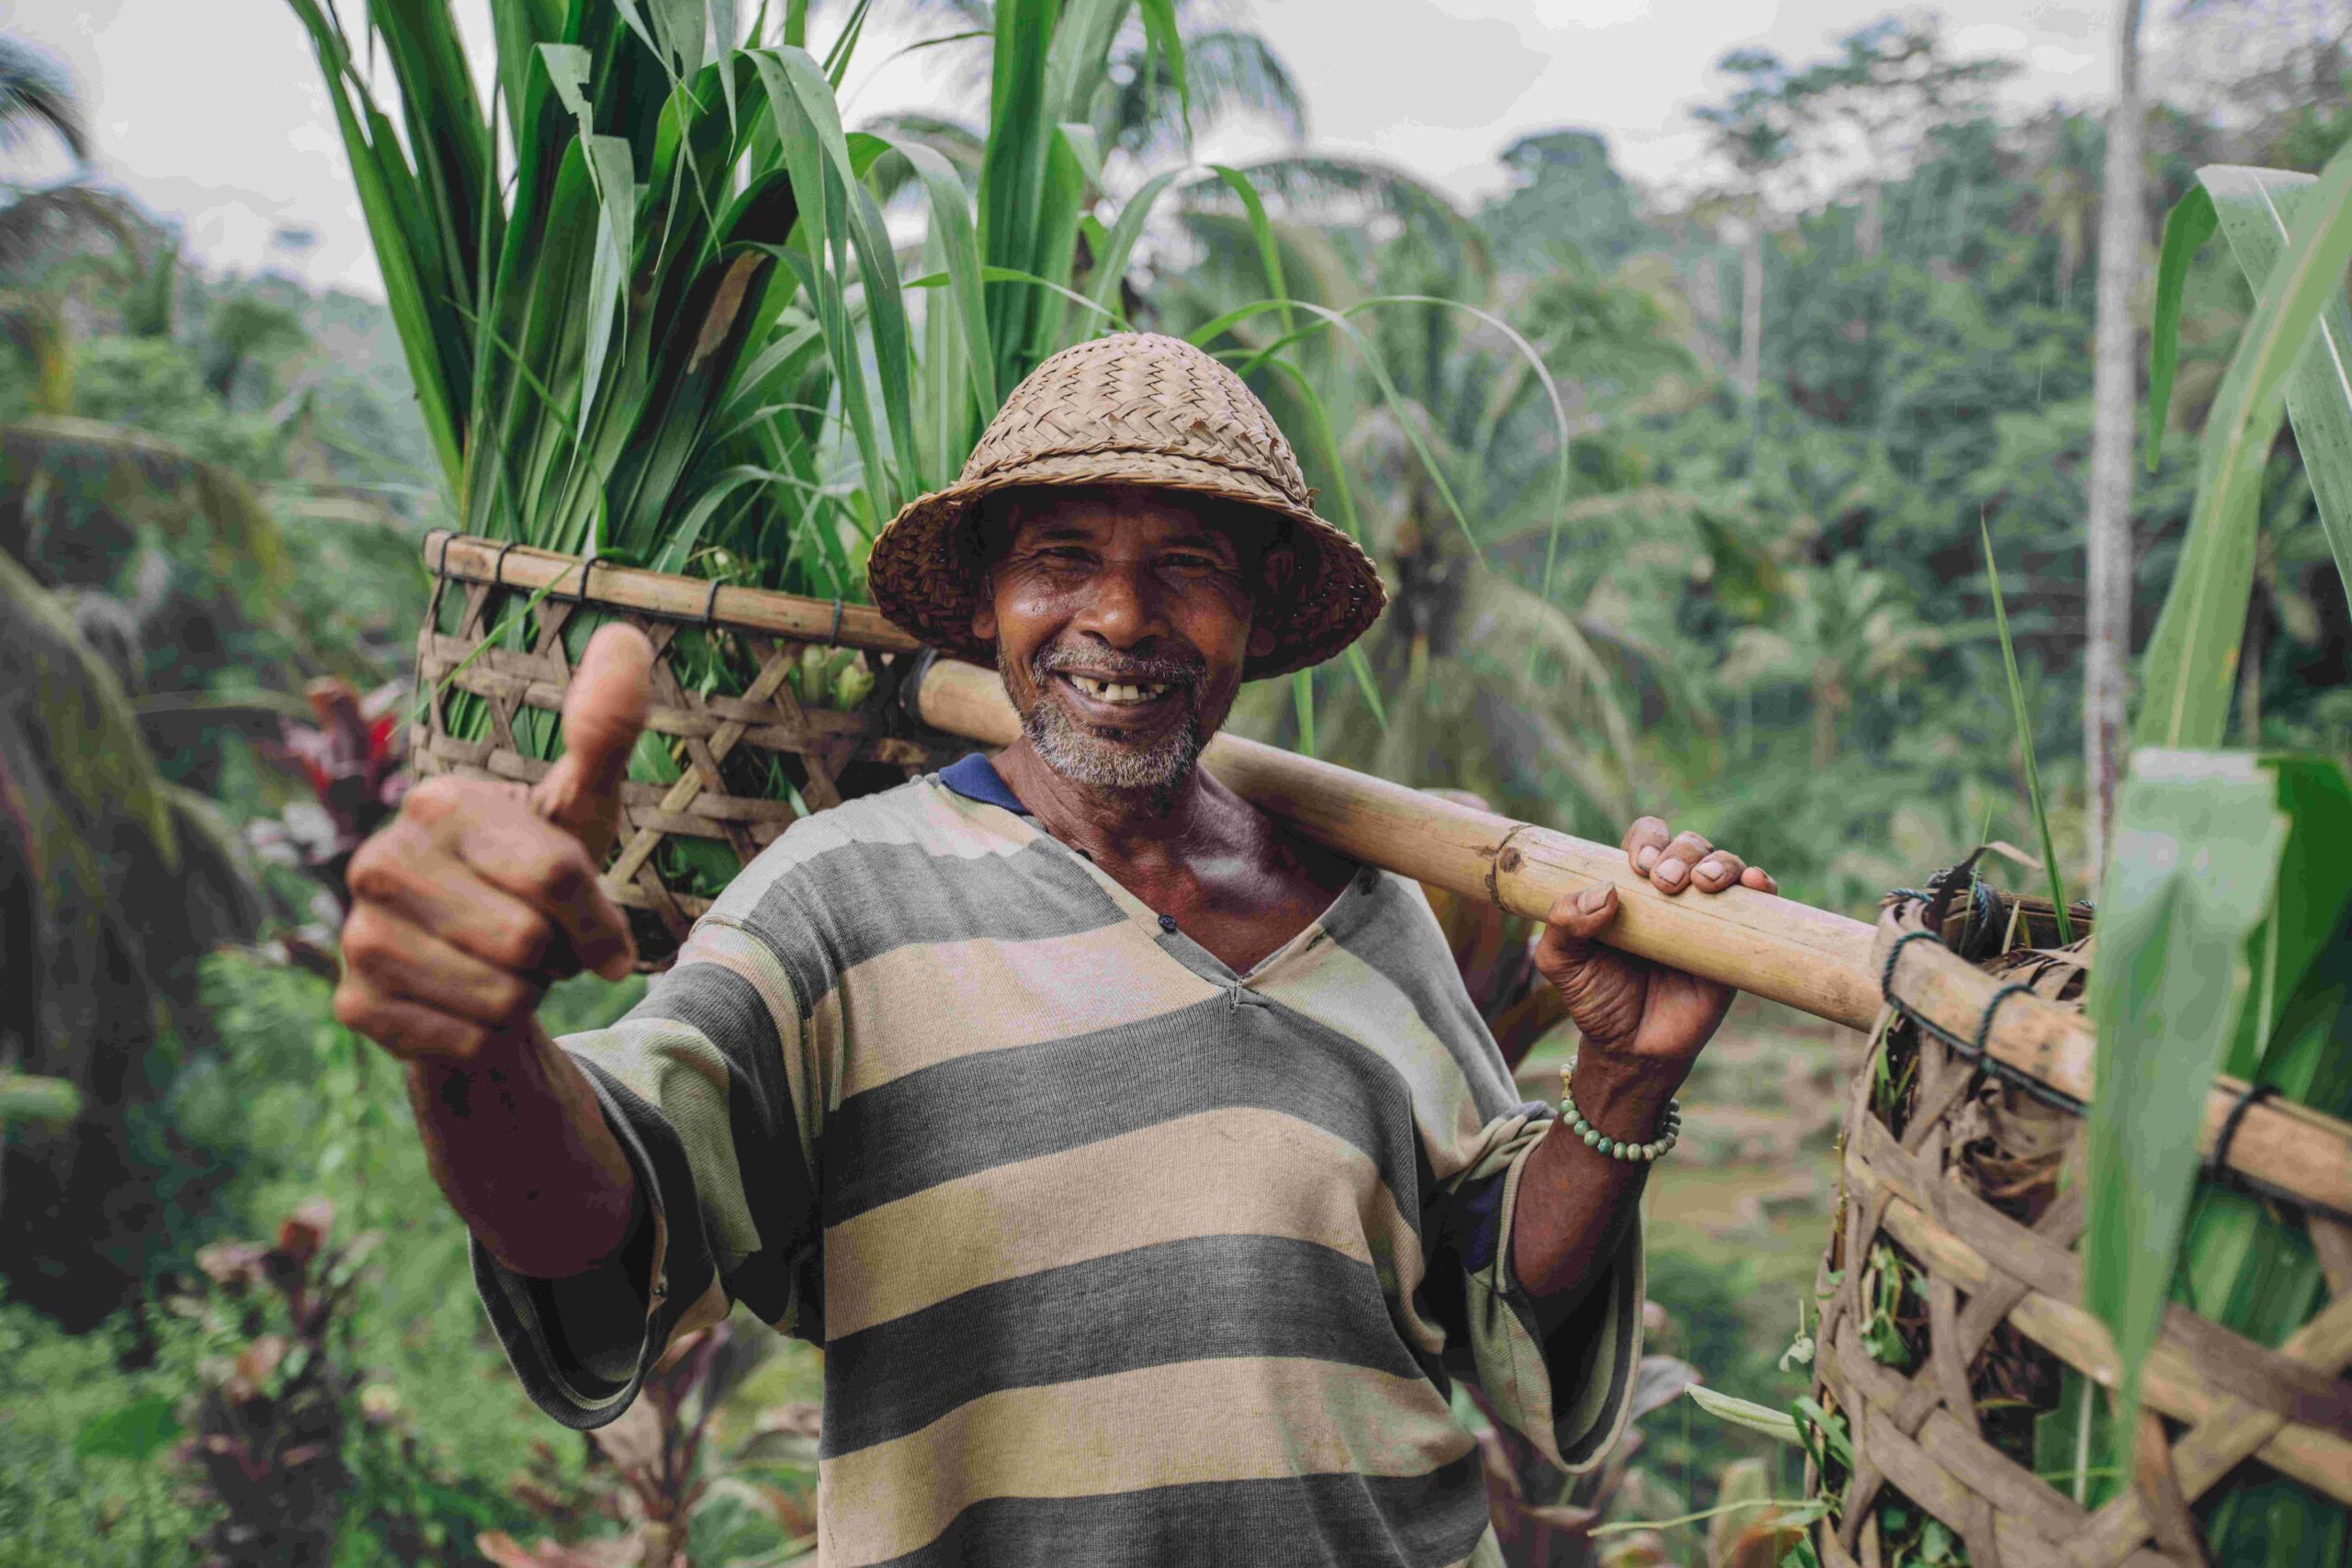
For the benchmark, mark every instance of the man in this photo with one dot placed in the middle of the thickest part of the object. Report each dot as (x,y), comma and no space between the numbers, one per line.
(1143,1167)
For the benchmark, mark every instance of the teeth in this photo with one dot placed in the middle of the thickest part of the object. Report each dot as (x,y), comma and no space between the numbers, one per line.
(1118,690)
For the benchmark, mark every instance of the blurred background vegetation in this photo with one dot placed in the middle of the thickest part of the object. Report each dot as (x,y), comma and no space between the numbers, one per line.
(1791,393)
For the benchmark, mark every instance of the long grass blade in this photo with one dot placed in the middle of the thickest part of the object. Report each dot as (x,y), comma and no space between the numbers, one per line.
(2024,721)
(2187,228)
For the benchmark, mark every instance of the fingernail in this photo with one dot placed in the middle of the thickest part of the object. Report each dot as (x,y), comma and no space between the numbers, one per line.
(1592,900)
(1711,869)
(1670,870)
(1648,858)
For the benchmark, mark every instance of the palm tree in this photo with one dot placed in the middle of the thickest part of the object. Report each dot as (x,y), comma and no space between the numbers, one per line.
(1849,633)
(35,95)
(36,103)
(1755,133)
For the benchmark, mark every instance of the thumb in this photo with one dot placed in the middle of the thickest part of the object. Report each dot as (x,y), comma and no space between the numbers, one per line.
(1570,930)
(603,713)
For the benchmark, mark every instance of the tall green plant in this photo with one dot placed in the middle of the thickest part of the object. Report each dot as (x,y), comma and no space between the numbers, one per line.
(676,330)
(2225,941)
(2191,662)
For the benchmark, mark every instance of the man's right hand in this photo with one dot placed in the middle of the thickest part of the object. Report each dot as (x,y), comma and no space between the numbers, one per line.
(480,894)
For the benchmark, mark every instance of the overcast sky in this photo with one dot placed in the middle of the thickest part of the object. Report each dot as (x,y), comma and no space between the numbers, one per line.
(210,111)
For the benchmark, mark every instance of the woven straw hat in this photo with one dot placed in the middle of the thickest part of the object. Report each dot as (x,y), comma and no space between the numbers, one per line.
(1134,409)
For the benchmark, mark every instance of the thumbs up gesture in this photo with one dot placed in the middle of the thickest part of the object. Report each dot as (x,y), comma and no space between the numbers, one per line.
(480,895)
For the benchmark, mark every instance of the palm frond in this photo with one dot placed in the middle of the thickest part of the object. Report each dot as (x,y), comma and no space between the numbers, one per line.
(124,480)
(35,92)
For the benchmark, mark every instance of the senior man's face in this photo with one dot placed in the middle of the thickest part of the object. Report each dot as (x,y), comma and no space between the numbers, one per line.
(1122,617)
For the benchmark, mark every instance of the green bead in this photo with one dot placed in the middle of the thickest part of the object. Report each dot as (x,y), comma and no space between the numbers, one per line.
(1591,1138)
(1609,1146)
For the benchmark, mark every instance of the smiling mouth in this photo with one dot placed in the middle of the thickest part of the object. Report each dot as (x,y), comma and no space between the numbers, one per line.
(1118,694)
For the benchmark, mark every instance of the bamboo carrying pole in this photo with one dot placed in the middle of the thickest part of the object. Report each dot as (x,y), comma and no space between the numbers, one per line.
(1809,958)
(1817,961)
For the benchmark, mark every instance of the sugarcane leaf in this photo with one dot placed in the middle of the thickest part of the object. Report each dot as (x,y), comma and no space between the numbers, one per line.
(1167,40)
(1111,256)
(612,168)
(1269,254)
(1013,167)
(2256,207)
(2189,670)
(569,67)
(952,227)
(417,296)
(2187,228)
(1302,696)
(2190,876)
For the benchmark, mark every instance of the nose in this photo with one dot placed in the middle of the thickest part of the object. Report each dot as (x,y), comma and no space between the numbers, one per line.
(1122,606)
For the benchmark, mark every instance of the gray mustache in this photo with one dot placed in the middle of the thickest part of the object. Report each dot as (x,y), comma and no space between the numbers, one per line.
(1158,671)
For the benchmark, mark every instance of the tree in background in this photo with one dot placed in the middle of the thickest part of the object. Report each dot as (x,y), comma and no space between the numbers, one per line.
(2115,409)
(1755,132)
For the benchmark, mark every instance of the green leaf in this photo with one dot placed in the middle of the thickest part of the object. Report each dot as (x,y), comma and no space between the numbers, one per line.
(1111,258)
(2024,721)
(2257,209)
(1742,1413)
(1269,254)
(2190,667)
(2194,861)
(2187,228)
(1167,40)
(951,226)
(138,1432)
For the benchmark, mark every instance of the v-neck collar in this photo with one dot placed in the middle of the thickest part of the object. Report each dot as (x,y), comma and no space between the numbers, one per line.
(974,778)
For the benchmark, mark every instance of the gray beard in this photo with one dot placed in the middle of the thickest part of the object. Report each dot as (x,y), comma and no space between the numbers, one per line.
(1083,757)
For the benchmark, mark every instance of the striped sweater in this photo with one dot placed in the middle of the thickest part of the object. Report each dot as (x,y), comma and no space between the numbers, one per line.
(1118,1257)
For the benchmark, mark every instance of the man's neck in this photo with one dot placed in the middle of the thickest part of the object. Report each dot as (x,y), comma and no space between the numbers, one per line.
(1152,830)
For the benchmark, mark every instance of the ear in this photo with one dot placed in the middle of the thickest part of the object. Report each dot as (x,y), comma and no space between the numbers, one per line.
(1261,640)
(984,614)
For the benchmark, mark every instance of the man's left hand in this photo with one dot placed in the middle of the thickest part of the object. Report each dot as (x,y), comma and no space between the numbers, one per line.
(1644,1023)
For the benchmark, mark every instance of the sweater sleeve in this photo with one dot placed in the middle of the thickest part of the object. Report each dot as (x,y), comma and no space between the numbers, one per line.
(709,1083)
(1568,1391)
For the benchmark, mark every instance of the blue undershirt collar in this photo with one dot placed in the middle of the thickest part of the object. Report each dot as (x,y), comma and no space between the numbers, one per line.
(976,778)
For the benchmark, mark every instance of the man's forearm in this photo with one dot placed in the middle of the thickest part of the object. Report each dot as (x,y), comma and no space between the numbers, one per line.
(1575,1203)
(518,1144)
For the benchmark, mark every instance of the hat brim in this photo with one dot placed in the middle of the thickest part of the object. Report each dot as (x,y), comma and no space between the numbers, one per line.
(925,569)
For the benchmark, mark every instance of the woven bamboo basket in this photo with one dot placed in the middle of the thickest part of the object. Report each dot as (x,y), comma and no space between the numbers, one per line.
(494,661)
(1956,1170)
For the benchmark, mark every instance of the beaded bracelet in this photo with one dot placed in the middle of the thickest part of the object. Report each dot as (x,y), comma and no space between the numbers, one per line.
(1617,1148)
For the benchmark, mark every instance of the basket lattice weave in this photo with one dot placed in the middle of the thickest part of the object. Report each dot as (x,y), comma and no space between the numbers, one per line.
(730,738)
(1966,1191)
